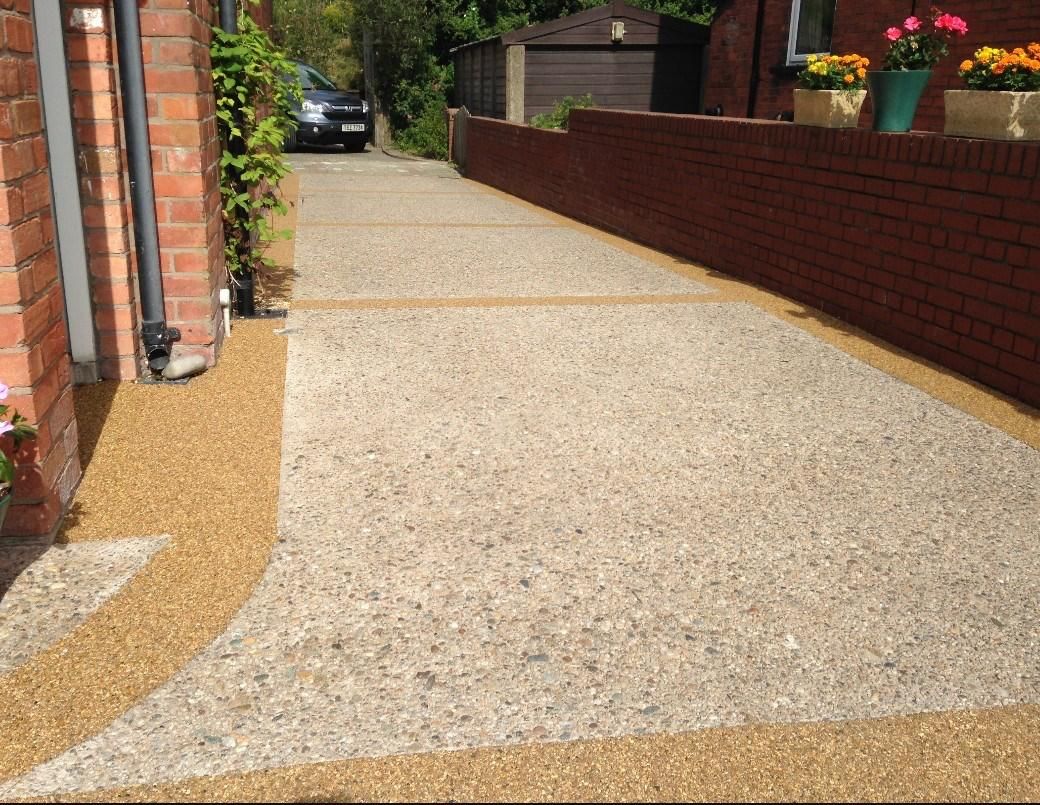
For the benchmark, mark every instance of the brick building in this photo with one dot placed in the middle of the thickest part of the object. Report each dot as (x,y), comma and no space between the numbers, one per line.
(755,58)
(69,300)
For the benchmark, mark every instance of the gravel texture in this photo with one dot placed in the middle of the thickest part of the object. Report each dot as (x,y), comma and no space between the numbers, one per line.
(565,533)
(416,263)
(962,756)
(198,462)
(663,518)
(46,597)
(352,207)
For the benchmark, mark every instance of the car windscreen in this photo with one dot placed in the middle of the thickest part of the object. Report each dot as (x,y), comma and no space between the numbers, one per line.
(312,79)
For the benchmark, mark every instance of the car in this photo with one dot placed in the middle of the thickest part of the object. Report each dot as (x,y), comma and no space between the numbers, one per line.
(328,115)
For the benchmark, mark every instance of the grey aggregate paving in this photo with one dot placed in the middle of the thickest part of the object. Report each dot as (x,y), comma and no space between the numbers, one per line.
(527,524)
(356,207)
(45,595)
(420,263)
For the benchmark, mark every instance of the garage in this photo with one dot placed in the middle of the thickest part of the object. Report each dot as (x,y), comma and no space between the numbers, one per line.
(624,57)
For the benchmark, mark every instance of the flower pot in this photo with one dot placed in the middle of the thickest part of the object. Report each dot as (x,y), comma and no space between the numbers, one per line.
(829,108)
(990,115)
(895,94)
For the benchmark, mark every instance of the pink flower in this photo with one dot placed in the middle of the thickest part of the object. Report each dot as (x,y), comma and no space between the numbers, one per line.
(893,34)
(3,391)
(911,24)
(948,22)
(5,427)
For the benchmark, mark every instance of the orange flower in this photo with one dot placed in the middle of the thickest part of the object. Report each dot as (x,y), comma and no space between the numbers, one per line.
(849,78)
(861,73)
(967,65)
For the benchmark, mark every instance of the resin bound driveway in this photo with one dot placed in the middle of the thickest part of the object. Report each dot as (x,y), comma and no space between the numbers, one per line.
(539,485)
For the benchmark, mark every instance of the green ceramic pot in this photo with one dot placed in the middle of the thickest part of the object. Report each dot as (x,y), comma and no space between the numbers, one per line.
(895,95)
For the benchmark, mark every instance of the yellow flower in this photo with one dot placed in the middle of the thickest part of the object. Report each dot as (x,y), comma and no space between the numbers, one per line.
(966,65)
(811,58)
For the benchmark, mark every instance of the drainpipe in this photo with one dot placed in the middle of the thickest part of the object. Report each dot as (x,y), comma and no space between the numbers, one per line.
(229,16)
(756,59)
(157,337)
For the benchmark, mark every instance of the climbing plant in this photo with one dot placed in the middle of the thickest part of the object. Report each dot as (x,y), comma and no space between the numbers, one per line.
(255,86)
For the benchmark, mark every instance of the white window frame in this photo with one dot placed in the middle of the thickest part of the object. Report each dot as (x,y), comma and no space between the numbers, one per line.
(792,38)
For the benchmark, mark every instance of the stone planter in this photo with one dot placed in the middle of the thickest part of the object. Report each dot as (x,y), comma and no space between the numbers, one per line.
(829,108)
(990,115)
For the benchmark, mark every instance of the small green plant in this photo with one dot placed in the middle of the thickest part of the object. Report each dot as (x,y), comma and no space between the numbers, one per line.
(559,117)
(19,429)
(254,98)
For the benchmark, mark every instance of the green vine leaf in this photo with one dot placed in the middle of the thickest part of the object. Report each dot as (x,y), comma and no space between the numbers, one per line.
(255,88)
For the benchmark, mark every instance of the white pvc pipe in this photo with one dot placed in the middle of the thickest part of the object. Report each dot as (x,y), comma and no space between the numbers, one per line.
(225,304)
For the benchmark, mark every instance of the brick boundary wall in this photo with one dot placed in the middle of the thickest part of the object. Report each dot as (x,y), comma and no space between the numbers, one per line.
(931,243)
(34,357)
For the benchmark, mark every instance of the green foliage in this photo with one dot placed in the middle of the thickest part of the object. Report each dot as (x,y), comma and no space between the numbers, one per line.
(318,32)
(427,135)
(561,113)
(254,101)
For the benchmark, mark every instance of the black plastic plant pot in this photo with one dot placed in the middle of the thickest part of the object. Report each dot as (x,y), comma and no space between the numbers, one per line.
(6,496)
(245,302)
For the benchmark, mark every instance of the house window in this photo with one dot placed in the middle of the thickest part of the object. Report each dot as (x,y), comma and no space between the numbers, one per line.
(811,24)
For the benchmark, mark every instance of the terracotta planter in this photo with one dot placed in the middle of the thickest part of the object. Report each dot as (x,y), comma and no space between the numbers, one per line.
(992,115)
(829,108)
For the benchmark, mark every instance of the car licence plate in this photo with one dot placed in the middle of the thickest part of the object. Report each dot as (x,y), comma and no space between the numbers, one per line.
(353,127)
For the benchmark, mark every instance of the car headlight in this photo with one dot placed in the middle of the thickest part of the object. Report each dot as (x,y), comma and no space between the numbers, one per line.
(312,106)
(364,107)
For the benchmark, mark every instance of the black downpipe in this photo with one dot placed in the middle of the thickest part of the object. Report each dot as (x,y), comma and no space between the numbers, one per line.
(156,335)
(756,59)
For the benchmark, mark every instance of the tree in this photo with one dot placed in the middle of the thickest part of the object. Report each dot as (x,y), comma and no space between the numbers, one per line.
(318,32)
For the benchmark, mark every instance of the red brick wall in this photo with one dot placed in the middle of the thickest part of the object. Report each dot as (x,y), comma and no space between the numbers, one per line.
(929,242)
(33,347)
(185,150)
(94,83)
(858,28)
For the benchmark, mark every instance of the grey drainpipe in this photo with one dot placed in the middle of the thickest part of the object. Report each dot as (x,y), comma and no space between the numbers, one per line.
(229,16)
(156,335)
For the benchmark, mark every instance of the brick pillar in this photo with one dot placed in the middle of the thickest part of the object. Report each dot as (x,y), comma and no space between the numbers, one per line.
(94,85)
(185,151)
(185,155)
(34,357)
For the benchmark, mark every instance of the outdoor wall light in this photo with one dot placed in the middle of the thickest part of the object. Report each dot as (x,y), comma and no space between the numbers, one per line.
(617,31)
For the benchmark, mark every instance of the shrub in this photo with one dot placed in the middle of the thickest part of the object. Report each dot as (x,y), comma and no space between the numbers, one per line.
(254,102)
(427,136)
(561,113)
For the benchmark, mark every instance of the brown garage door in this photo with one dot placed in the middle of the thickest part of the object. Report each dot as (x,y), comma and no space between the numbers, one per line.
(652,79)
